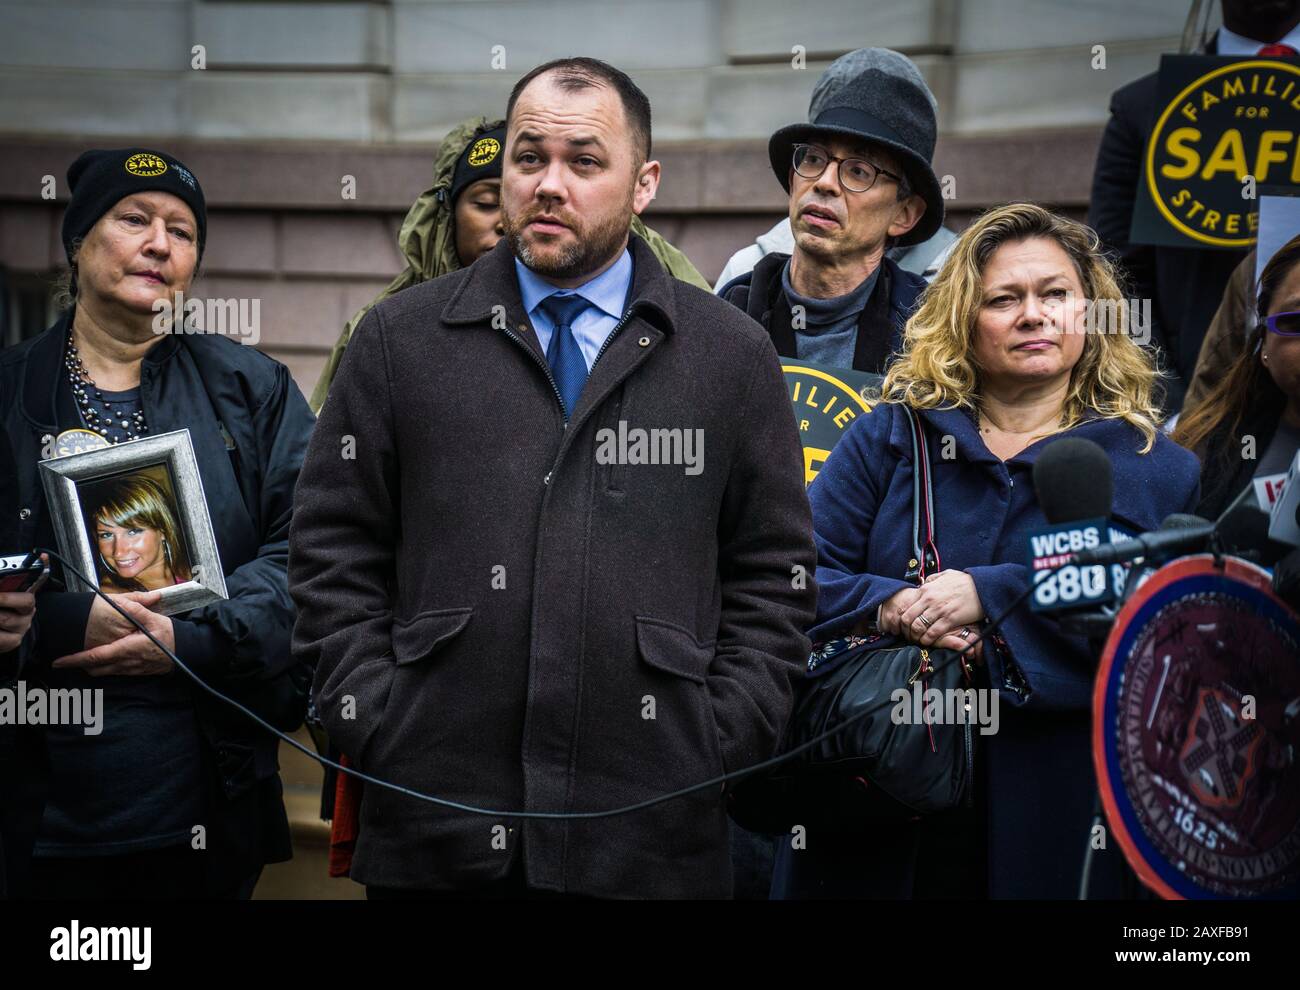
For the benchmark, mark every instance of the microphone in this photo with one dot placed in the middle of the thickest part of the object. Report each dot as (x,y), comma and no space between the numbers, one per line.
(1242,530)
(1179,533)
(1073,480)
(1286,579)
(1074,485)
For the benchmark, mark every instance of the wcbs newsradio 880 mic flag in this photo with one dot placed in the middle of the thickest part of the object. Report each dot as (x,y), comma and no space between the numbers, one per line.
(1073,481)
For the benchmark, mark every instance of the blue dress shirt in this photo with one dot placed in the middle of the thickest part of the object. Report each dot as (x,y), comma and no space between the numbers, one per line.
(607,293)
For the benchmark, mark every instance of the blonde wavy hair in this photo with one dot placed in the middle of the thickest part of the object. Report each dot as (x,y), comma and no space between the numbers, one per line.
(1114,377)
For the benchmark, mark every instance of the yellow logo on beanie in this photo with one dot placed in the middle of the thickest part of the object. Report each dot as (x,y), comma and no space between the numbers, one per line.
(145,165)
(484,151)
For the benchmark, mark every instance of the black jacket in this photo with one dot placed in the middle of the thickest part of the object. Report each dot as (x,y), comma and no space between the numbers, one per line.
(880,324)
(21,793)
(217,389)
(1185,285)
(1224,471)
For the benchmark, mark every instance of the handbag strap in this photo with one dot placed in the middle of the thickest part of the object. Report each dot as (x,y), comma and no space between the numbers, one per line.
(925,552)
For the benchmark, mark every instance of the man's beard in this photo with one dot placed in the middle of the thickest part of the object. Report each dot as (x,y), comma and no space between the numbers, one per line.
(591,248)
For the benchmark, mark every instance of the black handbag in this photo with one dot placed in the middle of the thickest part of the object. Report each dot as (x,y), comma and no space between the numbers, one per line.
(879,769)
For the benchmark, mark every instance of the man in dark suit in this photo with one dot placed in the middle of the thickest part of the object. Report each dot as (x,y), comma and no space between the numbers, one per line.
(507,610)
(1183,284)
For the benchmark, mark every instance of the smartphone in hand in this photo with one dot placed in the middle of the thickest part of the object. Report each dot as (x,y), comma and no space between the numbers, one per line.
(22,572)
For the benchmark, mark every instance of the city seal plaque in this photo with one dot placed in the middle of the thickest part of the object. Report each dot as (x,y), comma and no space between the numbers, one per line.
(1196,732)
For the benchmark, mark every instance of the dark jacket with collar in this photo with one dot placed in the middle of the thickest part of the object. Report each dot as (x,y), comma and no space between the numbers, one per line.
(249,426)
(880,324)
(1184,284)
(1039,774)
(500,617)
(22,793)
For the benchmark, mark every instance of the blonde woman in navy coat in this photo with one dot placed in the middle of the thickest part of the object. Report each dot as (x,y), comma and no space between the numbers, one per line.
(998,359)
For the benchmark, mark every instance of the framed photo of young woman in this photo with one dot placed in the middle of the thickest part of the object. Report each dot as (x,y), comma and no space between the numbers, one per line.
(134,518)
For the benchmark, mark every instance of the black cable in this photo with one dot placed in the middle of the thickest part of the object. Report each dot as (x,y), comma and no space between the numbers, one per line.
(546,815)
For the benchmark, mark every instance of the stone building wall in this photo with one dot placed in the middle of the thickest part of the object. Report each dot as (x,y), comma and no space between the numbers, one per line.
(292,96)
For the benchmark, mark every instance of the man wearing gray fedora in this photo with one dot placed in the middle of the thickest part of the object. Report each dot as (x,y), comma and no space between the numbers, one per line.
(860,183)
(924,258)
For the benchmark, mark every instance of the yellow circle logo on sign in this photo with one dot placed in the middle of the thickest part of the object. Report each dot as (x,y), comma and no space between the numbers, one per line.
(1231,124)
(145,165)
(824,407)
(484,151)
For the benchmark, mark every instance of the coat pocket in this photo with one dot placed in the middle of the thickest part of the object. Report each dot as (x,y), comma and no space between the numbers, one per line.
(671,649)
(414,640)
(424,635)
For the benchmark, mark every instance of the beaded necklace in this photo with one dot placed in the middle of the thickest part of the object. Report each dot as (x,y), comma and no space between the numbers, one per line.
(82,388)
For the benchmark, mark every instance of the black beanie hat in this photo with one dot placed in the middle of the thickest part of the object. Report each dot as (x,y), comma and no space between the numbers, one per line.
(481,159)
(99,178)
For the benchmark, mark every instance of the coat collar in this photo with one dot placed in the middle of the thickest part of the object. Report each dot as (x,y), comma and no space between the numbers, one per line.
(608,292)
(963,427)
(491,281)
(45,371)
(880,323)
(1144,488)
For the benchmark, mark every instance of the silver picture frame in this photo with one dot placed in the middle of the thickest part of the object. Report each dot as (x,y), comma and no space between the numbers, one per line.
(62,476)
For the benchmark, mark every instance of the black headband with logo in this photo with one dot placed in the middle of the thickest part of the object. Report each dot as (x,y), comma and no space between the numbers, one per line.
(481,159)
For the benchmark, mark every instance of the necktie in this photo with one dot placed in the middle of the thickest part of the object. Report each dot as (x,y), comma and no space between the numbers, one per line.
(1277,50)
(563,354)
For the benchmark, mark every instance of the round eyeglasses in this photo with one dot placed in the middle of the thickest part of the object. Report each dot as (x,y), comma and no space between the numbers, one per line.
(856,174)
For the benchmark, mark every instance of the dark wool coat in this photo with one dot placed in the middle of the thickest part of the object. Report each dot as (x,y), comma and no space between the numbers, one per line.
(20,801)
(496,615)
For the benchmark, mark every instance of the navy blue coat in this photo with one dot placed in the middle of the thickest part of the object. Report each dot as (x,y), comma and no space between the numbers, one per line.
(1039,783)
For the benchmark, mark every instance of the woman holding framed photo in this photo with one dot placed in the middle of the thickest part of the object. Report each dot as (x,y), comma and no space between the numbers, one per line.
(178,796)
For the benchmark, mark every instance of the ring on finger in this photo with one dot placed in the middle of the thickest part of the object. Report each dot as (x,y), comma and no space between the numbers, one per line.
(926,622)
(964,632)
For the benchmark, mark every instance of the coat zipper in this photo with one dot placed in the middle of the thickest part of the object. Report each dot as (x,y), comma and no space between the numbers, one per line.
(969,797)
(608,340)
(546,368)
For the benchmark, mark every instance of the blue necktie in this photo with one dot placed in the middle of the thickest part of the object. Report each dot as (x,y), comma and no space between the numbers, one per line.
(563,354)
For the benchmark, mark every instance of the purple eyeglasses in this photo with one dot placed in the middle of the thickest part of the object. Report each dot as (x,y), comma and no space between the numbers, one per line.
(1283,324)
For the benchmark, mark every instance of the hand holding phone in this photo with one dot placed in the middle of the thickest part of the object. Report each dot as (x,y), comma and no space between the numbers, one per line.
(23,573)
